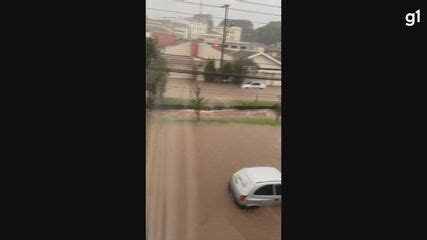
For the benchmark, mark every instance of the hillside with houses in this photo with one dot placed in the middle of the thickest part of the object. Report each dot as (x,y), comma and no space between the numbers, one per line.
(190,43)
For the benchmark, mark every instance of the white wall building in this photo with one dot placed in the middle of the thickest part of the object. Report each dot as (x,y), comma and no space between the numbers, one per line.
(236,46)
(196,29)
(186,29)
(267,66)
(233,33)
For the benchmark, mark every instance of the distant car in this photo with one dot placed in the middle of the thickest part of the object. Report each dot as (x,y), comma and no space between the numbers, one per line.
(254,85)
(257,187)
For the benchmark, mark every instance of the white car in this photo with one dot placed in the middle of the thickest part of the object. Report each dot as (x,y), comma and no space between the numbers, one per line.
(257,186)
(254,85)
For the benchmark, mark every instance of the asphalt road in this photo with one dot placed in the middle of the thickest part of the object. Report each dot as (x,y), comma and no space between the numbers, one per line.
(188,169)
(180,88)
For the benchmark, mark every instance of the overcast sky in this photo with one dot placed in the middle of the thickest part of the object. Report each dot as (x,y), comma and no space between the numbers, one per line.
(177,5)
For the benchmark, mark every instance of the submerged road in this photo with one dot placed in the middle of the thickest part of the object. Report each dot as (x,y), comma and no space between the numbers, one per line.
(188,168)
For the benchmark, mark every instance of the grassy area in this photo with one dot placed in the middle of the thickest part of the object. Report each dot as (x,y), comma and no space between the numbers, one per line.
(175,101)
(252,103)
(269,122)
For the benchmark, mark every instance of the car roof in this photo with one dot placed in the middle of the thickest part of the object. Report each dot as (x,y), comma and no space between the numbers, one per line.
(263,174)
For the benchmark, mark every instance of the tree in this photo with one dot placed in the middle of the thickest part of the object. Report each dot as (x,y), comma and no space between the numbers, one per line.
(198,103)
(277,107)
(226,69)
(151,51)
(270,33)
(210,71)
(156,75)
(241,67)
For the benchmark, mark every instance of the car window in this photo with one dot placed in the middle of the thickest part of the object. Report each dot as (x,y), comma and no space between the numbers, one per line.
(256,84)
(278,189)
(265,190)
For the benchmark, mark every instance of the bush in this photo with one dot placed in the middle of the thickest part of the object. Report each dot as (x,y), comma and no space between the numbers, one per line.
(210,68)
(241,67)
(226,69)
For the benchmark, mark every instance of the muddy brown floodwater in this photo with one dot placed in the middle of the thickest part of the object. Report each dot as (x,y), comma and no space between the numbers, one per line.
(188,169)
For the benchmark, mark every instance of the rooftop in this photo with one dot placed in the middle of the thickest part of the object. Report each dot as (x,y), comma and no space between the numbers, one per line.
(243,54)
(264,174)
(255,44)
(273,49)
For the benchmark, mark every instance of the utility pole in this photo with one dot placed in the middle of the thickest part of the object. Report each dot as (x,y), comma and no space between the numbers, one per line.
(224,34)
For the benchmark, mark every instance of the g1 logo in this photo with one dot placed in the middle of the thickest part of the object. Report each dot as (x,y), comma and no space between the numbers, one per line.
(410,18)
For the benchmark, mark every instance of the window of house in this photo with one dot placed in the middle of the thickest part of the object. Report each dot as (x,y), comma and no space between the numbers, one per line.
(234,46)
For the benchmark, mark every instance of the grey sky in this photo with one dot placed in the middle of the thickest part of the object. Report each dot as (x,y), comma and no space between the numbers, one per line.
(176,5)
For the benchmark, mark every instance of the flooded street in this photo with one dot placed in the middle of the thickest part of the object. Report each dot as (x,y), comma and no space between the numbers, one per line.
(188,169)
(213,114)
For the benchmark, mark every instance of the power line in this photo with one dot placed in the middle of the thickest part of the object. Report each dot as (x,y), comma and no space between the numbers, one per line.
(180,62)
(241,10)
(192,14)
(261,4)
(234,9)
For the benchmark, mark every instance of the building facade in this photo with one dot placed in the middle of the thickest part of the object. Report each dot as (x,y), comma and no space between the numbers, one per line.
(267,66)
(232,33)
(196,29)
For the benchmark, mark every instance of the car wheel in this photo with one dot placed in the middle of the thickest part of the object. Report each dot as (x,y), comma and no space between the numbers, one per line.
(249,208)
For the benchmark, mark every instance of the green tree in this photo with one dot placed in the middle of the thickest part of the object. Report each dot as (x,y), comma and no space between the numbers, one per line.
(198,103)
(210,71)
(242,67)
(151,51)
(226,69)
(156,73)
(269,34)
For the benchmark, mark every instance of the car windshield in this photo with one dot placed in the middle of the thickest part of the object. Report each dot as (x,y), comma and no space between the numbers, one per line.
(213,108)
